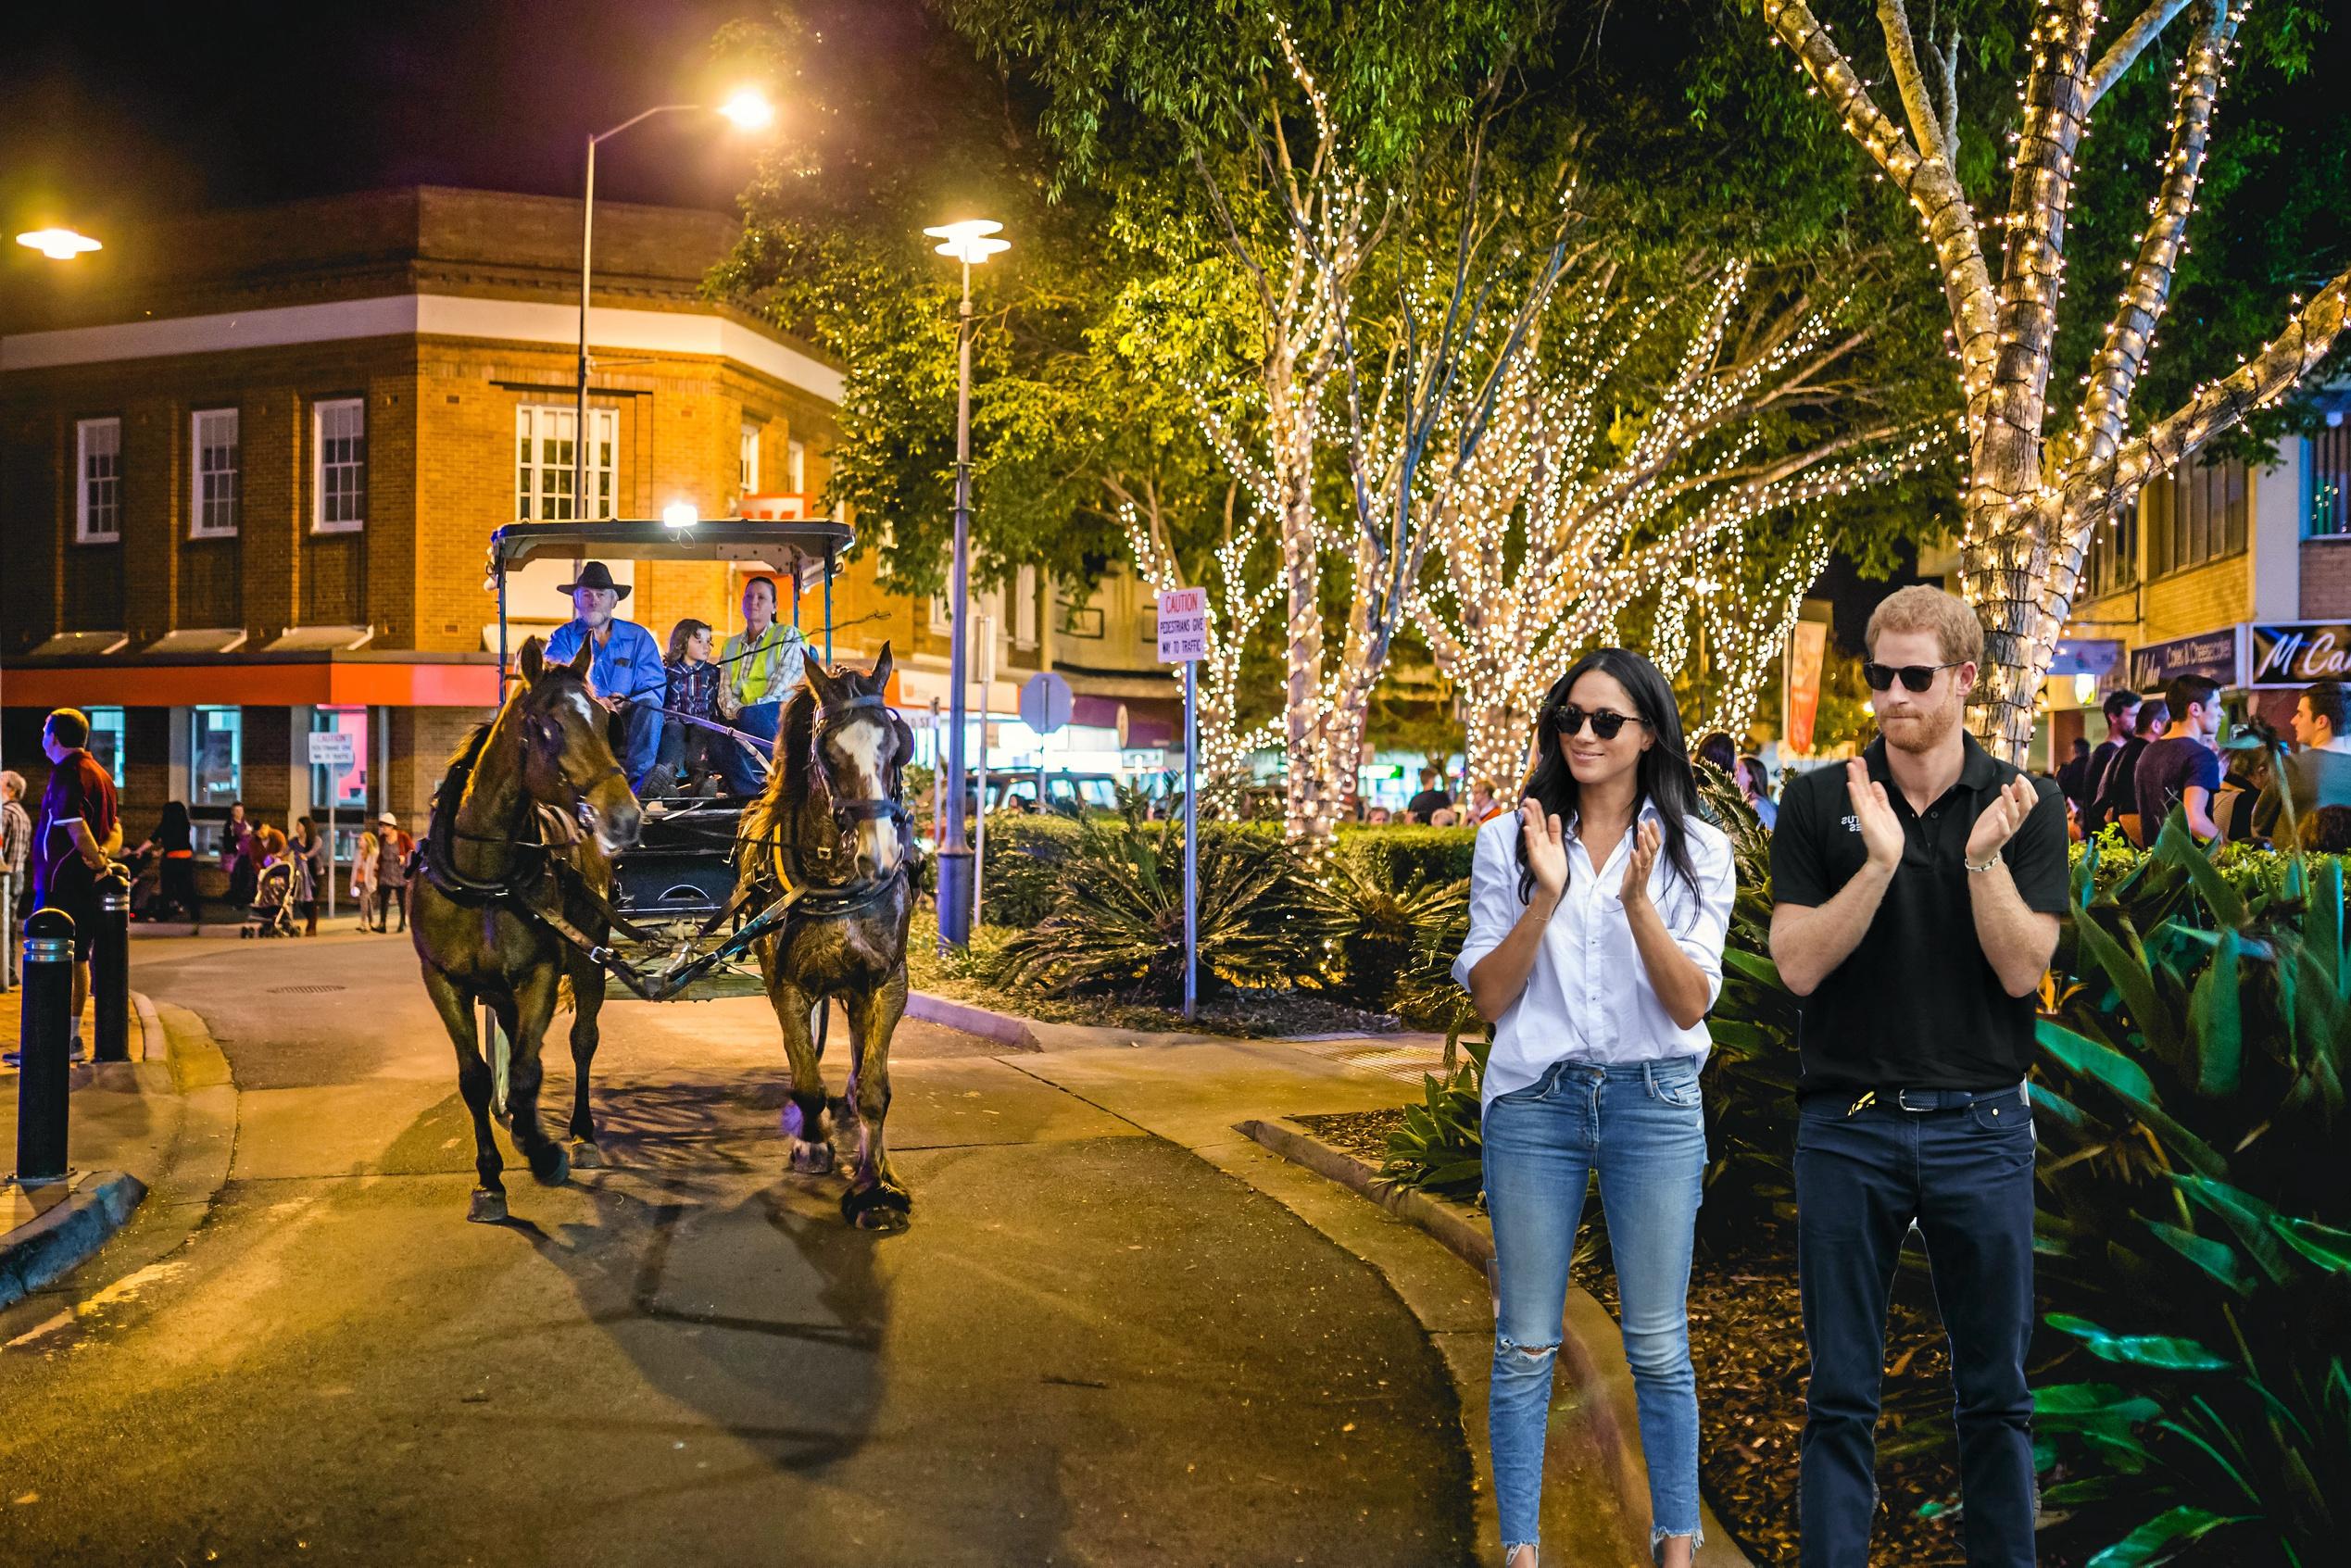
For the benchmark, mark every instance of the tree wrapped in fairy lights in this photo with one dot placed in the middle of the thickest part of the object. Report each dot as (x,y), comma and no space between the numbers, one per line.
(1633,446)
(2033,496)
(1389,416)
(1241,596)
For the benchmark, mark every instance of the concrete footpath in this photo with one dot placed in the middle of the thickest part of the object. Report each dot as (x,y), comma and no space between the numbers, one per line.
(156,1128)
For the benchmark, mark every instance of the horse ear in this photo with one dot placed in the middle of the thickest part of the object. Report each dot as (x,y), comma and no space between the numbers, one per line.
(882,669)
(532,661)
(585,658)
(820,680)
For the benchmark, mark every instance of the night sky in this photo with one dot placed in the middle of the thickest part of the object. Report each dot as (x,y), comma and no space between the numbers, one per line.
(108,111)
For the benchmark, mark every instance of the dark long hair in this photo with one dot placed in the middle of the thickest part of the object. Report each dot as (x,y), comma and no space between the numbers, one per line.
(1663,776)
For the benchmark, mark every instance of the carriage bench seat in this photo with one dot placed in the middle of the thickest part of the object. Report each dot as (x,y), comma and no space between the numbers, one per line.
(682,868)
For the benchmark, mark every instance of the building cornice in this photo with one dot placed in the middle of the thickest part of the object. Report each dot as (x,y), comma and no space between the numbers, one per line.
(711,332)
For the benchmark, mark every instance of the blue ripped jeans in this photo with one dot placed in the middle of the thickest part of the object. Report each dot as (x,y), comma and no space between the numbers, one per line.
(1640,1127)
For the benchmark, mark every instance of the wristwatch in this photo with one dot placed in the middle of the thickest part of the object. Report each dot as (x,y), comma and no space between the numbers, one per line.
(1990,860)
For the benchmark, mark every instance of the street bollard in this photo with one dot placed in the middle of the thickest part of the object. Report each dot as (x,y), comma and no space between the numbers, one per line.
(45,1035)
(7,932)
(110,971)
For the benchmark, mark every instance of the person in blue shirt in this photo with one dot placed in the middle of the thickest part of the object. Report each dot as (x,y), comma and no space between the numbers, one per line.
(626,673)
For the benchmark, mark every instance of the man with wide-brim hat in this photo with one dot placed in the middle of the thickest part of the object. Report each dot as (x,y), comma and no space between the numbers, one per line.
(625,672)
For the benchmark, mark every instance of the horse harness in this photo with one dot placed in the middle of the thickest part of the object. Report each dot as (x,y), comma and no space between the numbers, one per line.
(549,829)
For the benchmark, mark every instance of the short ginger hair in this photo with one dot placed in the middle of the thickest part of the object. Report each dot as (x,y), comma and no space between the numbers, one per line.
(1921,607)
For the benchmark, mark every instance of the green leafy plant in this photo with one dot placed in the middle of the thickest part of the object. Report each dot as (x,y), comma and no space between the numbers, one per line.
(1440,1148)
(2195,1204)
(1374,928)
(1117,922)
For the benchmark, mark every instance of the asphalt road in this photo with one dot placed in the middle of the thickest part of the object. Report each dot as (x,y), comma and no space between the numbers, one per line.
(1091,1348)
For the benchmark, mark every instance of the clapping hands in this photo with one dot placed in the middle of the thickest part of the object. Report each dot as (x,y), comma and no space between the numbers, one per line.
(1546,847)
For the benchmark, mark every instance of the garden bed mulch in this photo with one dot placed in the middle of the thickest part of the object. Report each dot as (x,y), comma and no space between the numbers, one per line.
(1746,1339)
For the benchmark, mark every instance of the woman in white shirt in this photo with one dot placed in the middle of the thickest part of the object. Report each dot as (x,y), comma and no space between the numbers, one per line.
(1597,917)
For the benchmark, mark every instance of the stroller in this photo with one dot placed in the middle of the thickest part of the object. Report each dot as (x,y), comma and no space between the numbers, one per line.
(272,911)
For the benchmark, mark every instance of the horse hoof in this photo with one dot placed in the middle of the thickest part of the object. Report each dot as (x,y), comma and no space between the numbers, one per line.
(489,1207)
(877,1207)
(812,1159)
(585,1156)
(551,1165)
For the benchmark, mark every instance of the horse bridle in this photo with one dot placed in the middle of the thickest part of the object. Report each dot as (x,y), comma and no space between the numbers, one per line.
(850,810)
(547,732)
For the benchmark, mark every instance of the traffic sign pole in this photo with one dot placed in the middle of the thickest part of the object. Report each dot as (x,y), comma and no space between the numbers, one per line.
(1183,637)
(1191,837)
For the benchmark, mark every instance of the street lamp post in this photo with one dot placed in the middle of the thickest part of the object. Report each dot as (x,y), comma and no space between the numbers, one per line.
(968,242)
(748,110)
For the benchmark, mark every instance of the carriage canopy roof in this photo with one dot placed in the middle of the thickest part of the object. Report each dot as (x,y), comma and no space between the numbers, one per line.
(797,545)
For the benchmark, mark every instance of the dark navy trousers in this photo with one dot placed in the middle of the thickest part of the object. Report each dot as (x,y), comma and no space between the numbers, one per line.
(1962,1168)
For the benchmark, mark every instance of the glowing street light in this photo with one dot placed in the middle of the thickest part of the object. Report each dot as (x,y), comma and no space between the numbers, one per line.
(680,514)
(968,242)
(58,244)
(748,108)
(745,109)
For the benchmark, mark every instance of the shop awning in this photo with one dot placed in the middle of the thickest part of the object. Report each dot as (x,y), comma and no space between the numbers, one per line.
(80,645)
(319,639)
(244,681)
(199,639)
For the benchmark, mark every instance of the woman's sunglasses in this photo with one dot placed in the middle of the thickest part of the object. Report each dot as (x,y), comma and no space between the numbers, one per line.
(1569,720)
(1914,677)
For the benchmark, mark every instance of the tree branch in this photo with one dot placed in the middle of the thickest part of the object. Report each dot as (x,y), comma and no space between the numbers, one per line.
(1917,101)
(2116,369)
(2267,375)
(2125,51)
(1928,182)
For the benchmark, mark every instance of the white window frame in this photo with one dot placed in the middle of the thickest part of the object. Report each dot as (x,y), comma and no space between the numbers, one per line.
(748,460)
(530,473)
(204,511)
(89,529)
(796,466)
(322,411)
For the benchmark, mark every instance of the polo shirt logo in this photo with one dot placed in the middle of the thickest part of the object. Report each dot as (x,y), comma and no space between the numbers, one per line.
(1853,824)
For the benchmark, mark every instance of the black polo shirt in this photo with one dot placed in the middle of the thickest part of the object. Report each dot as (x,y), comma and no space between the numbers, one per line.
(1916,1005)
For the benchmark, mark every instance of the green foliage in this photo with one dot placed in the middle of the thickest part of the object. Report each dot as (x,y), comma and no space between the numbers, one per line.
(1399,854)
(1441,1147)
(1116,927)
(1378,929)
(1028,855)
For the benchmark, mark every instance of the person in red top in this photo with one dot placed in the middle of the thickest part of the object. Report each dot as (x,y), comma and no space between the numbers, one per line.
(79,827)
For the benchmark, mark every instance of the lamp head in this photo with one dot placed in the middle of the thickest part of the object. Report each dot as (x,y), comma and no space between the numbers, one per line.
(58,244)
(967,240)
(748,108)
(680,514)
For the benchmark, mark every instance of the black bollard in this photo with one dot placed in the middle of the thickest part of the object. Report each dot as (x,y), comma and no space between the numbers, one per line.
(110,969)
(46,1036)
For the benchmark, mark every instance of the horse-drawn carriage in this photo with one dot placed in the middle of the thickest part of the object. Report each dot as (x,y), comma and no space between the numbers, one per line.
(541,870)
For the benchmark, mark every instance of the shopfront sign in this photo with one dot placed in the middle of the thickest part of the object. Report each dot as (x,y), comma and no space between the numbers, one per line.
(2296,653)
(2207,653)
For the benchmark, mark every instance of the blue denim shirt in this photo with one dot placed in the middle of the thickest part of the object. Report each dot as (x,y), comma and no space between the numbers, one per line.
(629,664)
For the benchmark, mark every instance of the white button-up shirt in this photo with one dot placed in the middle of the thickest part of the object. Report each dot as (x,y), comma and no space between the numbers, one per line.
(1589,998)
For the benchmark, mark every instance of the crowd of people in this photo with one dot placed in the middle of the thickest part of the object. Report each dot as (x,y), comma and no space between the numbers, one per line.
(2163,750)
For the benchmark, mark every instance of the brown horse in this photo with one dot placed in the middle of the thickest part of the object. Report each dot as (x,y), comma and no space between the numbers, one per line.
(831,822)
(524,826)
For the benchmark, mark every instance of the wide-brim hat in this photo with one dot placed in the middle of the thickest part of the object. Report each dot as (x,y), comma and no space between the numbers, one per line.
(594,575)
(388,820)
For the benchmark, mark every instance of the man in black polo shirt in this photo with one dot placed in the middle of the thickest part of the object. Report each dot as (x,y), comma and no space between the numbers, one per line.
(1917,893)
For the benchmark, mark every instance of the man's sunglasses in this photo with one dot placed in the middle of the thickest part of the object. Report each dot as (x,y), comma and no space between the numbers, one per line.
(1569,720)
(1914,677)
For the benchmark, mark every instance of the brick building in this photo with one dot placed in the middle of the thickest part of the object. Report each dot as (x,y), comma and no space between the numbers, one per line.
(2241,572)
(249,462)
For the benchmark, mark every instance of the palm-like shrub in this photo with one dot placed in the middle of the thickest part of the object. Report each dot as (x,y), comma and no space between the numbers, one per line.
(1375,929)
(1117,921)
